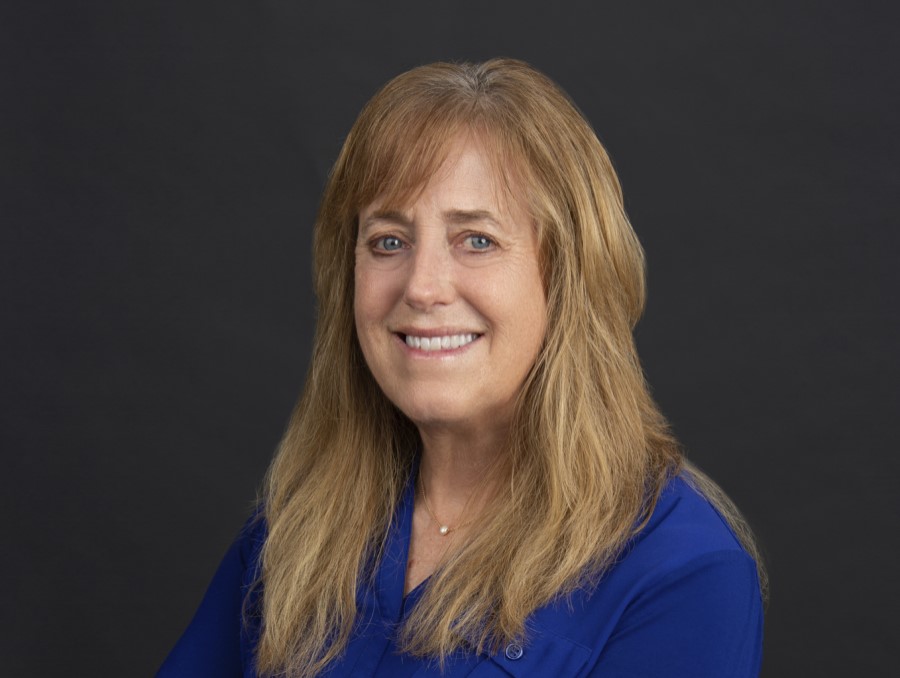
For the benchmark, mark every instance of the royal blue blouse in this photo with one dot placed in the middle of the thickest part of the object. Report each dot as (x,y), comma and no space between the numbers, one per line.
(683,601)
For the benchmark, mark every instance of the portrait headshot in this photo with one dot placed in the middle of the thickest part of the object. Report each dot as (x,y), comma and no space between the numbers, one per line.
(458,341)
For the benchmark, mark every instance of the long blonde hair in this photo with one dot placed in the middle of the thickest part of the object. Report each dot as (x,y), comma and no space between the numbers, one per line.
(588,450)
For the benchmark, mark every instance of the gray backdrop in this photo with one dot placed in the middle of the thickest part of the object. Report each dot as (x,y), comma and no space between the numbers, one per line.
(161,164)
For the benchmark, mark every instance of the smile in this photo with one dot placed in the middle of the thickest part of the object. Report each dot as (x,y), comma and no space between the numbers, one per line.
(443,343)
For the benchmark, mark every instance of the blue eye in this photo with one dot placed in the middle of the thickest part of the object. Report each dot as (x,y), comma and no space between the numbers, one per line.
(480,242)
(388,243)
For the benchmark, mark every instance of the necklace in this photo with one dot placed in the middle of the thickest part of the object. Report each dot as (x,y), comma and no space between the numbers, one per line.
(443,528)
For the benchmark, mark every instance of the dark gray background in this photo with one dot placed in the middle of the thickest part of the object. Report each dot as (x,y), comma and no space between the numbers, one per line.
(161,165)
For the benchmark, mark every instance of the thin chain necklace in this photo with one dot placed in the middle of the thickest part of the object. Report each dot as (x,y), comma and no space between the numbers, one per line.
(443,528)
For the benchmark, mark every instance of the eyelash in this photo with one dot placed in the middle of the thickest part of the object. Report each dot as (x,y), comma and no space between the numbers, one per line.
(377,244)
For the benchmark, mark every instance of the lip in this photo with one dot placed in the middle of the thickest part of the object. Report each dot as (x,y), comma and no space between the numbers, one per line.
(401,334)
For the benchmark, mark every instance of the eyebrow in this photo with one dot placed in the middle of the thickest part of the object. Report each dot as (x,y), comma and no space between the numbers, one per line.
(386,215)
(468,216)
(383,215)
(455,216)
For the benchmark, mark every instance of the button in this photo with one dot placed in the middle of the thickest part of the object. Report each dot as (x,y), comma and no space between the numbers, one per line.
(514,651)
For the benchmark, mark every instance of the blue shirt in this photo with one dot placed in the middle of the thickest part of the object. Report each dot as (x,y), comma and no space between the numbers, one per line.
(682,601)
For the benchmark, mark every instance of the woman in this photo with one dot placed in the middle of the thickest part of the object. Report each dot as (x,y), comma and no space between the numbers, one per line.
(476,480)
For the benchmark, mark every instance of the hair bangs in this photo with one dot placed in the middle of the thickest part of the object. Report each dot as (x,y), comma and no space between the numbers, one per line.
(397,157)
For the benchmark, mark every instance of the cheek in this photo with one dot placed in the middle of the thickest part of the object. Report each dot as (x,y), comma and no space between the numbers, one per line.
(363,282)
(362,304)
(372,301)
(526,304)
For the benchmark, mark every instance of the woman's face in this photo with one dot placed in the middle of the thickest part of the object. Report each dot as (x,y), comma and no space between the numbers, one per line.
(450,309)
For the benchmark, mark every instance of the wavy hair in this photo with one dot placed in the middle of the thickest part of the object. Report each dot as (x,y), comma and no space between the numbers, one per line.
(588,449)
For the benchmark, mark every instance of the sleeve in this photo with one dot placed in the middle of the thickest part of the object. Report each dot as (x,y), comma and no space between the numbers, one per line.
(211,644)
(703,620)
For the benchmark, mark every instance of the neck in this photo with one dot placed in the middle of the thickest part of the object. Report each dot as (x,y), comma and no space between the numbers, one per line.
(458,472)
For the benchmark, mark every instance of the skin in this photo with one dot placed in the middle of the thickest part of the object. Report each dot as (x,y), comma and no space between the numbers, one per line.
(462,259)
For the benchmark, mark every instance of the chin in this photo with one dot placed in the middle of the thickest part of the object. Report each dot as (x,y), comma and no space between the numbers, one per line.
(436,411)
(447,414)
(435,415)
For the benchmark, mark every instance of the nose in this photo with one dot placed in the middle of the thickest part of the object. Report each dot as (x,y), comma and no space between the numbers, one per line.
(430,279)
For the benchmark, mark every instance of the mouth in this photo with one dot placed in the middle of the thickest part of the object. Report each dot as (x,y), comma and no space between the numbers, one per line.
(446,342)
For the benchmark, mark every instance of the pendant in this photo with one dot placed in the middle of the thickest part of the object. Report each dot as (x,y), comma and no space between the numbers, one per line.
(444,529)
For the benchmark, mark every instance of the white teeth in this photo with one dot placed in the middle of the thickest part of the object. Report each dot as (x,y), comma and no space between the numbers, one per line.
(450,341)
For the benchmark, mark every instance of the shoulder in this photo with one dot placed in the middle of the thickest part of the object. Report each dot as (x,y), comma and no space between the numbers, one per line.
(217,642)
(251,538)
(683,591)
(684,526)
(685,545)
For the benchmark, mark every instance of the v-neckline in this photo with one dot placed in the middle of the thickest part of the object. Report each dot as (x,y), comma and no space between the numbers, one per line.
(391,575)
